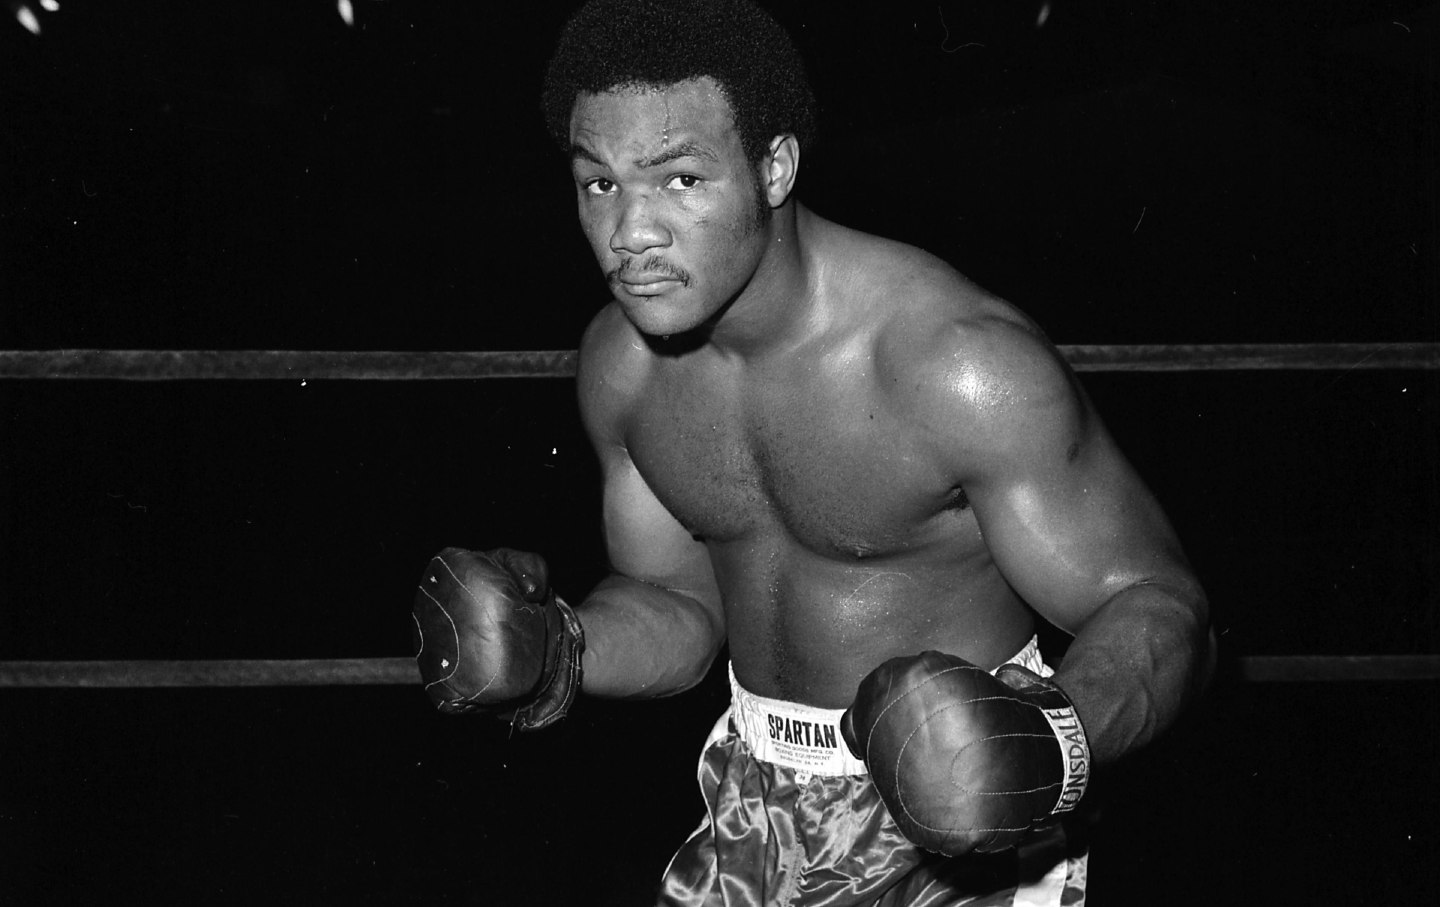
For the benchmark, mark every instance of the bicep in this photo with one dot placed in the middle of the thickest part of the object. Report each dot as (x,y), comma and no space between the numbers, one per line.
(1069,538)
(1065,516)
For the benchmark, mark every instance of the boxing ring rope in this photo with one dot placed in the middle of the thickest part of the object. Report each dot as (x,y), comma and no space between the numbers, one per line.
(317,672)
(250,365)
(264,365)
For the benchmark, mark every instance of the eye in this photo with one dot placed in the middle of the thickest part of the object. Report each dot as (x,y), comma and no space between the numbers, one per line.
(683,181)
(599,186)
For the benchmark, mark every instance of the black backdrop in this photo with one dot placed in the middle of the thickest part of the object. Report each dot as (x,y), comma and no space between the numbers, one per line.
(260,175)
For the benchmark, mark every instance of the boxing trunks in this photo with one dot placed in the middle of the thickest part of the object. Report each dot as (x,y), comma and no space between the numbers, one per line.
(794,821)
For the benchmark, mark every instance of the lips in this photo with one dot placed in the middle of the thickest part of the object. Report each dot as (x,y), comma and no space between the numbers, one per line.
(648,285)
(646,280)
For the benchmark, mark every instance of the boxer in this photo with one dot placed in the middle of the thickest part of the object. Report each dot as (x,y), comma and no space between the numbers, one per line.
(863,473)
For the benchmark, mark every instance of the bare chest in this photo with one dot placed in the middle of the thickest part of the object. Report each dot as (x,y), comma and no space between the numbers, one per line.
(826,467)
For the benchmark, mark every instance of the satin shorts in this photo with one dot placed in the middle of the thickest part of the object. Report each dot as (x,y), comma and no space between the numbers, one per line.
(793,821)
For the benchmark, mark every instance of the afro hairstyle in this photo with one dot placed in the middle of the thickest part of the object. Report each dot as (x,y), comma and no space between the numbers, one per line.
(612,44)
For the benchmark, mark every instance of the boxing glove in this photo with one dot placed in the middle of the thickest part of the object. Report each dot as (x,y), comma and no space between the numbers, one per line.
(966,761)
(492,638)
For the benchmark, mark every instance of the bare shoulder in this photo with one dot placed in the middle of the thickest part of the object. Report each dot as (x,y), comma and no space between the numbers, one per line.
(968,366)
(614,362)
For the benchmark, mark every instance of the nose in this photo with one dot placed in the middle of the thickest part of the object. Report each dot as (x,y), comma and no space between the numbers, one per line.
(639,230)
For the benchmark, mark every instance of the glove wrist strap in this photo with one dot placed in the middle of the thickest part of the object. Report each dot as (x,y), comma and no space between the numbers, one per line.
(565,673)
(1065,724)
(1074,751)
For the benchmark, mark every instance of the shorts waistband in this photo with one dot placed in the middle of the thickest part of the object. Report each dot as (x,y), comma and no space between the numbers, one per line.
(796,736)
(806,738)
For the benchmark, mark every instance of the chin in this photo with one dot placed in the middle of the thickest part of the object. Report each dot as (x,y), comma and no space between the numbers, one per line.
(660,317)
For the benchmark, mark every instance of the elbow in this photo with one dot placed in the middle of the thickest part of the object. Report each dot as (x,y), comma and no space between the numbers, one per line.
(1195,637)
(1194,613)
(691,678)
(697,668)
(1174,614)
(689,655)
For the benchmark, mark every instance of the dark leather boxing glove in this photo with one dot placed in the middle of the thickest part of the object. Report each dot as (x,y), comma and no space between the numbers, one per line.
(492,638)
(965,761)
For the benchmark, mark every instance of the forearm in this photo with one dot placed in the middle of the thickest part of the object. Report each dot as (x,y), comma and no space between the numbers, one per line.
(1136,664)
(644,641)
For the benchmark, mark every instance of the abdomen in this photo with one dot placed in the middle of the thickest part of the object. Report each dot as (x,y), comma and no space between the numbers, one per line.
(806,627)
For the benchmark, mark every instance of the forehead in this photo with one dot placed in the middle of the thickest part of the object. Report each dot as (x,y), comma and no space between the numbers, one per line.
(645,117)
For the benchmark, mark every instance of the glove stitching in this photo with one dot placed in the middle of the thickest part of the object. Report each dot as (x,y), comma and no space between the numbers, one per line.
(896,700)
(421,630)
(525,606)
(900,755)
(900,796)
(454,630)
(476,600)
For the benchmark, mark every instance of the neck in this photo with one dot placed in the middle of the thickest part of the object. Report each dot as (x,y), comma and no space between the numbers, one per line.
(777,303)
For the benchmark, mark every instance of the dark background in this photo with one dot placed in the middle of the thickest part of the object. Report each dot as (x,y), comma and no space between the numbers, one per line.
(258,175)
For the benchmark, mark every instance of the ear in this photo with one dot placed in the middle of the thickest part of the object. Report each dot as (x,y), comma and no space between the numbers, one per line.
(779,169)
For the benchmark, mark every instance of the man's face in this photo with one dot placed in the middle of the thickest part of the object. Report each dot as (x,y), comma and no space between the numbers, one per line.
(667,201)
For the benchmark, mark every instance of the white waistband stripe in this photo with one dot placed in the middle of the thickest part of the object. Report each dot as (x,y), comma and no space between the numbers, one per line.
(808,739)
(790,734)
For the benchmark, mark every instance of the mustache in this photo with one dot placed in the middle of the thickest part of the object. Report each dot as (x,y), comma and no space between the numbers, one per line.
(650,265)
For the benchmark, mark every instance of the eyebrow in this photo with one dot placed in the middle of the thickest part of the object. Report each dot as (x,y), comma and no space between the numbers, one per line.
(674,152)
(578,150)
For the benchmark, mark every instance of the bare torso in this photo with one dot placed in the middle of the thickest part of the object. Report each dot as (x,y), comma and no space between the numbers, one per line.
(837,534)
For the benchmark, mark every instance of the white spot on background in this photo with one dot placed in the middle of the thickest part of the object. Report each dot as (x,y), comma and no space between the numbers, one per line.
(26,17)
